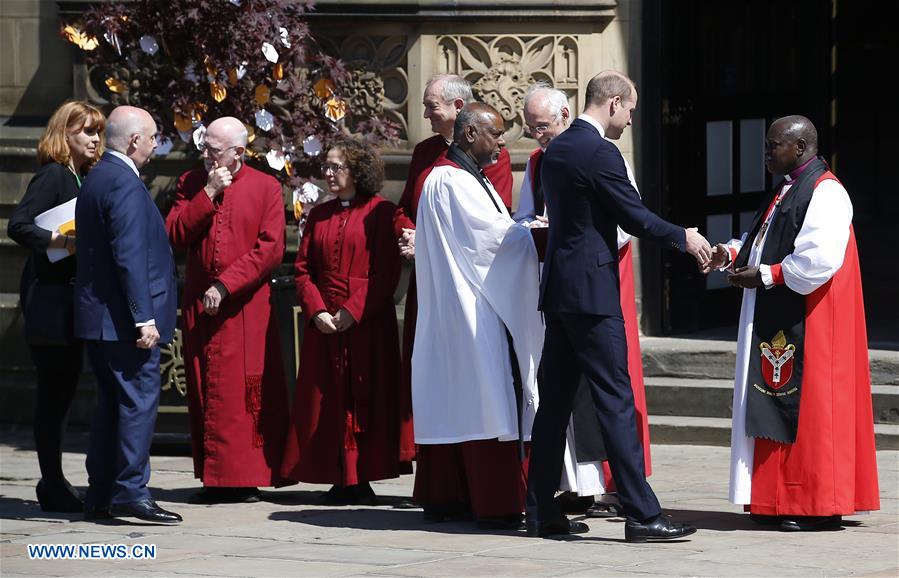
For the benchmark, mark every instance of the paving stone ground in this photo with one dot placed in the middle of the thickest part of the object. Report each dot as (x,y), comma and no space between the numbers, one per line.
(290,535)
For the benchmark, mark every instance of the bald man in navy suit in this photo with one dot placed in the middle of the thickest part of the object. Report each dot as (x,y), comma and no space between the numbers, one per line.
(125,305)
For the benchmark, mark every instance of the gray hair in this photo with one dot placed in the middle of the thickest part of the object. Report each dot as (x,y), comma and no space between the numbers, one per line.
(555,98)
(454,86)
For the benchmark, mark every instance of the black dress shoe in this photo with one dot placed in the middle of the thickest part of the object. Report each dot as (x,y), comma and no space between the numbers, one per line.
(511,522)
(58,497)
(810,523)
(659,528)
(557,527)
(146,510)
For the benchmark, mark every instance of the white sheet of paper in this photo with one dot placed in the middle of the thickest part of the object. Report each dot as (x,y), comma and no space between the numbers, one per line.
(51,220)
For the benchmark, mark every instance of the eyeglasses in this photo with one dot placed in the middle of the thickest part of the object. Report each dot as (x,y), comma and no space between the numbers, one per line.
(333,168)
(539,129)
(212,151)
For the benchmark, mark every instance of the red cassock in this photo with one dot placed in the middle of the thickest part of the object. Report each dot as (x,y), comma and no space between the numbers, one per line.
(237,394)
(424,157)
(831,469)
(345,426)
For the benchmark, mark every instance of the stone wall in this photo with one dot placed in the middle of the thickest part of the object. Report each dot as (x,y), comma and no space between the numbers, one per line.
(500,47)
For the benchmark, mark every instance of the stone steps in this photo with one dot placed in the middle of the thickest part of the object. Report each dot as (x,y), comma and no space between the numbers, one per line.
(673,396)
(715,431)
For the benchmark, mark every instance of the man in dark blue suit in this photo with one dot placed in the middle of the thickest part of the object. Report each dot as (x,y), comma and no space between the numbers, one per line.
(588,195)
(125,303)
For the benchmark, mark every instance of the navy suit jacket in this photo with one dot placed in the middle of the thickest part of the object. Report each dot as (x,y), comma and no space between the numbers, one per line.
(588,195)
(125,271)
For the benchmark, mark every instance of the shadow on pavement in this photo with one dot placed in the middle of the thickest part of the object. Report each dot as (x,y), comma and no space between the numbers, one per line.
(729,521)
(380,519)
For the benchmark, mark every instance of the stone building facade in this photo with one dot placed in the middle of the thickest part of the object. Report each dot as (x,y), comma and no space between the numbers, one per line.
(501,47)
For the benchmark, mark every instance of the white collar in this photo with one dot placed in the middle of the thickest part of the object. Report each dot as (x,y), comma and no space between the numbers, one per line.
(587,118)
(127,160)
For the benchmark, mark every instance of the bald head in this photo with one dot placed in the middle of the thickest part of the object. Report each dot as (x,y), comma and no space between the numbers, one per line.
(132,132)
(228,130)
(123,122)
(225,144)
(794,127)
(790,143)
(478,131)
(476,114)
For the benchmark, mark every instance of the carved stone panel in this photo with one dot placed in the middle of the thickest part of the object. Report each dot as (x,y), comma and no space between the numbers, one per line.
(501,68)
(379,82)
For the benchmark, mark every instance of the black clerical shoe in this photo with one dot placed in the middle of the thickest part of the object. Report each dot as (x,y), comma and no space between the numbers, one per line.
(361,495)
(603,510)
(659,528)
(511,522)
(219,495)
(556,527)
(146,510)
(571,503)
(451,512)
(810,523)
(765,520)
(58,497)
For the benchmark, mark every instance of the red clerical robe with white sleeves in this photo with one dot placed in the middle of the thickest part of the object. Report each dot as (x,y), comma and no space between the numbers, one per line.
(424,157)
(345,426)
(237,394)
(831,468)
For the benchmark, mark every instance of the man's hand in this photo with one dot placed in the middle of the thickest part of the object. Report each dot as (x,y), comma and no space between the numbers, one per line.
(539,222)
(406,244)
(212,300)
(324,323)
(746,277)
(343,320)
(698,247)
(149,336)
(720,257)
(218,180)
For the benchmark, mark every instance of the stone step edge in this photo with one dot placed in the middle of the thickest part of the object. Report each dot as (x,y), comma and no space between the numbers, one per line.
(714,359)
(708,383)
(716,431)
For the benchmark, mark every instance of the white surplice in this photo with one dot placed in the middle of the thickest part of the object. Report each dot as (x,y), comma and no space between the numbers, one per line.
(818,253)
(476,273)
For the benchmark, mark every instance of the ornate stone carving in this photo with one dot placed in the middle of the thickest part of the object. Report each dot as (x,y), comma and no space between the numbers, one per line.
(365,93)
(501,68)
(172,365)
(379,81)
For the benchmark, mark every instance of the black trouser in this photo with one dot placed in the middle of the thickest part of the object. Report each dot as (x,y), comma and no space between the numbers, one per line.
(58,368)
(595,346)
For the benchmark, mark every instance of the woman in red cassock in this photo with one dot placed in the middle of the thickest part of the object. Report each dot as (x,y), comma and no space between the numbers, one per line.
(345,426)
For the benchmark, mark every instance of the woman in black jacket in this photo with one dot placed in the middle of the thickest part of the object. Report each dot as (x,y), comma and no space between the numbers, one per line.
(70,145)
